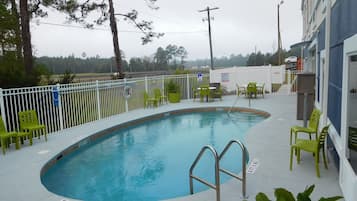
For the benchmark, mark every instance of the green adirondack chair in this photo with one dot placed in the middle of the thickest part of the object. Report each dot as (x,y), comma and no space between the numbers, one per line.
(29,123)
(313,146)
(310,129)
(6,137)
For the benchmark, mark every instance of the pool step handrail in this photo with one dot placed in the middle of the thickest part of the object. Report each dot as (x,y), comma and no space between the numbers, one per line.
(215,186)
(244,160)
(217,159)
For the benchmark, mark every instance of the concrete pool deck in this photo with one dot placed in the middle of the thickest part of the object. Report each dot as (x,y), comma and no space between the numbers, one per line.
(267,142)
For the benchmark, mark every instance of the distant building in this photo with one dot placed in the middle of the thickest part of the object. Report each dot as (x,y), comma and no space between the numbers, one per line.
(330,33)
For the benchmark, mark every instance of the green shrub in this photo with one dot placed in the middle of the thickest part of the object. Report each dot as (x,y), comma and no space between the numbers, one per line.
(282,194)
(172,87)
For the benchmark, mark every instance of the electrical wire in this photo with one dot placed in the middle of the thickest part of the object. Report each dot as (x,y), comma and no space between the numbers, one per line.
(107,29)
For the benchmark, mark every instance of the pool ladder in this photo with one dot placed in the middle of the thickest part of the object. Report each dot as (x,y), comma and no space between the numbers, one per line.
(218,169)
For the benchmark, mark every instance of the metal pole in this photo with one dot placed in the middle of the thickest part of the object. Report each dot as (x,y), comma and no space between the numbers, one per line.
(188,87)
(146,84)
(60,106)
(126,100)
(244,172)
(98,100)
(210,36)
(279,59)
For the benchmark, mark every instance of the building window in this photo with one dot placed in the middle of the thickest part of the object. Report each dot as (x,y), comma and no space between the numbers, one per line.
(225,77)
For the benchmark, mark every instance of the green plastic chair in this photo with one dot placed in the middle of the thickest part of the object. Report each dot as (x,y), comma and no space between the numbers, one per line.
(352,138)
(195,93)
(149,101)
(204,92)
(313,146)
(260,90)
(310,129)
(161,98)
(251,89)
(240,90)
(29,123)
(6,137)
(217,92)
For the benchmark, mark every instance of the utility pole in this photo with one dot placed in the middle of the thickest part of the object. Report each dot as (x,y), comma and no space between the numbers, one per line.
(279,36)
(208,9)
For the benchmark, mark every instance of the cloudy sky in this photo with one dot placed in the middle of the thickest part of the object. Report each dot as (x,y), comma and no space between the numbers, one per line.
(238,27)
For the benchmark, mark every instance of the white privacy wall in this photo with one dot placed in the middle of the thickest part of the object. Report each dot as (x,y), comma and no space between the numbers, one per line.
(229,77)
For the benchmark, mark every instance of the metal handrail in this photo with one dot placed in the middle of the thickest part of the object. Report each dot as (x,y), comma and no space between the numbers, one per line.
(244,159)
(216,158)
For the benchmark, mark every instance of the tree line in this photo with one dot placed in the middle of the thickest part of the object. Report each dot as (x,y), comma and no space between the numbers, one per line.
(170,58)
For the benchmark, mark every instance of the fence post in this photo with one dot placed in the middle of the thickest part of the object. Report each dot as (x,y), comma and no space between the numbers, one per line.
(289,81)
(60,105)
(2,107)
(163,83)
(188,87)
(126,100)
(146,84)
(98,99)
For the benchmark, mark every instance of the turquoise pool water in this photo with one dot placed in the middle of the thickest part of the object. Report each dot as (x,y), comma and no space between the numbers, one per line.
(150,161)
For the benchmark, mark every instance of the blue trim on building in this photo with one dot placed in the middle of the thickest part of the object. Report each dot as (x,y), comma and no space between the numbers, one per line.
(343,26)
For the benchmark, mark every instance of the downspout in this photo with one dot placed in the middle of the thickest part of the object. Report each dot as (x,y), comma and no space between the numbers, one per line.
(327,62)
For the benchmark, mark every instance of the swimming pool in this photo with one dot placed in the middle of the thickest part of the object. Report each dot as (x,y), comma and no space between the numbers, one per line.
(149,161)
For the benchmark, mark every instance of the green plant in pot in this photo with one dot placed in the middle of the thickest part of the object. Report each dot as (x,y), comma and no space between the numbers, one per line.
(173,92)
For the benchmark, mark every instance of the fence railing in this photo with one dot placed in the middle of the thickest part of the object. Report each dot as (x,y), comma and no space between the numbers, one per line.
(67,105)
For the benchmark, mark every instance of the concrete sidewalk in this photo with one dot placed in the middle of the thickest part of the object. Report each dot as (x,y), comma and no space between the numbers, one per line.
(267,142)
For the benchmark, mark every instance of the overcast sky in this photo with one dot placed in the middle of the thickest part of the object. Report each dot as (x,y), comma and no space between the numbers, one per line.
(238,27)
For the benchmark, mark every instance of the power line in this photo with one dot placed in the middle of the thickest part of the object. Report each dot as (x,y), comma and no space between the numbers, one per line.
(107,29)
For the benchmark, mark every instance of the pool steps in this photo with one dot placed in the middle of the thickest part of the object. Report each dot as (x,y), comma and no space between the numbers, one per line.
(218,169)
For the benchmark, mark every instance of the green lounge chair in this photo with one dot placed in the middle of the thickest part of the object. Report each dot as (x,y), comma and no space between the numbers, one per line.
(313,146)
(6,137)
(148,101)
(29,123)
(310,129)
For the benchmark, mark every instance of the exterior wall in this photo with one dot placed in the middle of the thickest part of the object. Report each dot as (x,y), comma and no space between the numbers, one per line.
(314,13)
(343,26)
(229,77)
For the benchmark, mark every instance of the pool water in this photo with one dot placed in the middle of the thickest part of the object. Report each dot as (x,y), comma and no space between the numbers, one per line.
(150,161)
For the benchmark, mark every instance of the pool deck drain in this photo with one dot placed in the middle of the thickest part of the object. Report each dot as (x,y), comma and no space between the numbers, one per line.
(268,141)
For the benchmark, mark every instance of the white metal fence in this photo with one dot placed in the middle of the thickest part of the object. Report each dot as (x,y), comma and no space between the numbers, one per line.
(64,106)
